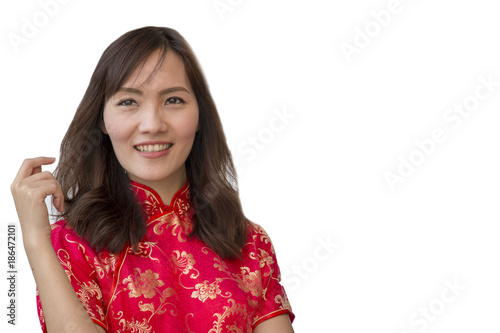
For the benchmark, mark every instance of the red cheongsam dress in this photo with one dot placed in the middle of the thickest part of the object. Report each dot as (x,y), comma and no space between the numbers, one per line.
(172,283)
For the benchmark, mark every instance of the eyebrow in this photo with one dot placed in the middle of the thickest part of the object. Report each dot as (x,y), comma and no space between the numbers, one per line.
(163,92)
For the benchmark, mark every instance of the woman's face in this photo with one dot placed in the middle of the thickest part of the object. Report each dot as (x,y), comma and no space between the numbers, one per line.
(152,124)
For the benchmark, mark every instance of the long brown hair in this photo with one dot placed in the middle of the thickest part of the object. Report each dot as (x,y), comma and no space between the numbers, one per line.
(99,204)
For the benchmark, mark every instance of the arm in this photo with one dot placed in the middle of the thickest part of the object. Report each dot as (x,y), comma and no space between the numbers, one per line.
(63,311)
(278,324)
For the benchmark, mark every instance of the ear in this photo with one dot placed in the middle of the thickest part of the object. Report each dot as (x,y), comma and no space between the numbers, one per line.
(103,127)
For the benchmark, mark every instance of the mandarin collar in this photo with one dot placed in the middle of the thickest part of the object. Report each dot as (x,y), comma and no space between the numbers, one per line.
(151,201)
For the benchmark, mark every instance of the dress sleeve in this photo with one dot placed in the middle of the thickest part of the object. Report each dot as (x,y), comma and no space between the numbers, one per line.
(274,300)
(77,257)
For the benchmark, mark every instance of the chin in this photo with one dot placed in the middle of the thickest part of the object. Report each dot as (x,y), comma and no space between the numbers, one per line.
(152,176)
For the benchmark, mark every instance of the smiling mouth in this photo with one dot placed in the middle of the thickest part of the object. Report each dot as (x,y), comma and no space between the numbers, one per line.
(153,148)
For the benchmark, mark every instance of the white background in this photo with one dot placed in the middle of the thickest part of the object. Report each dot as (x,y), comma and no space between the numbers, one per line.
(320,178)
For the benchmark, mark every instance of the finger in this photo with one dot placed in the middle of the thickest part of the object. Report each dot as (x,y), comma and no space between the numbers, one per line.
(57,197)
(51,187)
(58,201)
(43,175)
(37,190)
(24,185)
(31,166)
(36,170)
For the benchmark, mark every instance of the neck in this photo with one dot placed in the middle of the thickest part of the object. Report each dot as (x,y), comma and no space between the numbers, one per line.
(166,188)
(167,192)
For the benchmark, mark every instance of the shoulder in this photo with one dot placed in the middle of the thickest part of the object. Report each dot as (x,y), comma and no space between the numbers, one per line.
(259,246)
(62,230)
(68,243)
(258,236)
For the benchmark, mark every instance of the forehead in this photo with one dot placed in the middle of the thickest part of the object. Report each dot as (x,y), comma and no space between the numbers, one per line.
(159,73)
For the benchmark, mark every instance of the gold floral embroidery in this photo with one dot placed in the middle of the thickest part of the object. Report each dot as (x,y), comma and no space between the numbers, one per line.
(84,294)
(220,264)
(79,244)
(98,268)
(187,324)
(234,329)
(265,258)
(251,281)
(252,255)
(146,307)
(64,259)
(144,249)
(182,206)
(183,261)
(86,290)
(283,300)
(106,262)
(247,280)
(135,326)
(228,310)
(163,303)
(264,237)
(146,283)
(179,228)
(151,205)
(205,290)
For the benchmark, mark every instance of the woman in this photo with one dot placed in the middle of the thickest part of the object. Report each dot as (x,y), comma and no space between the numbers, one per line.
(152,237)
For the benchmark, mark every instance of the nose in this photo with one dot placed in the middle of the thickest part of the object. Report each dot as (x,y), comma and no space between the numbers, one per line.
(152,120)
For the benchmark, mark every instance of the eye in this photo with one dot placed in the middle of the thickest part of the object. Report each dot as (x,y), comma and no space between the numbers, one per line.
(174,100)
(127,102)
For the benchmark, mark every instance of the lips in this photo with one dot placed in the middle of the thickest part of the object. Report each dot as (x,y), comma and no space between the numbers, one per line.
(153,148)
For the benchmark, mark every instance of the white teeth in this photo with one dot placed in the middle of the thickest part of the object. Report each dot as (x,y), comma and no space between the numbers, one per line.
(153,148)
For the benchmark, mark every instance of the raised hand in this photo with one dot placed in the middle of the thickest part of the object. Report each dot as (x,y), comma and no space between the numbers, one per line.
(29,189)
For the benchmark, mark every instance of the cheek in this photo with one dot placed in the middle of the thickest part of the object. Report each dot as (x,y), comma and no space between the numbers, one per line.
(117,133)
(186,126)
(192,124)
